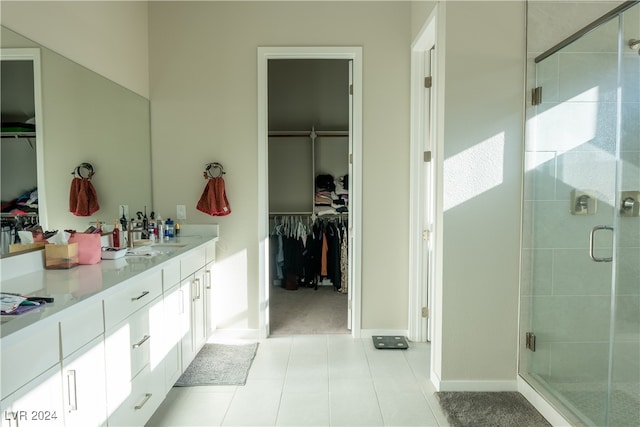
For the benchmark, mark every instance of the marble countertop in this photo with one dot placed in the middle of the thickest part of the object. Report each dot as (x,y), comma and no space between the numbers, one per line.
(85,283)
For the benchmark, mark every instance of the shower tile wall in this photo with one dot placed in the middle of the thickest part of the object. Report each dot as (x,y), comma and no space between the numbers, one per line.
(571,144)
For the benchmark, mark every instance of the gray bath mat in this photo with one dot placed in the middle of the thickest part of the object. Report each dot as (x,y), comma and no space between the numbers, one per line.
(489,409)
(219,364)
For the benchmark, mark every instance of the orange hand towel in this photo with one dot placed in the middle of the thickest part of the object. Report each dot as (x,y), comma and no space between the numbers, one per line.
(86,200)
(73,194)
(214,198)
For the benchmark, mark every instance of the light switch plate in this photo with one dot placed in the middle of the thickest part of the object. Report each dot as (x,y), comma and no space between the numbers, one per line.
(181,212)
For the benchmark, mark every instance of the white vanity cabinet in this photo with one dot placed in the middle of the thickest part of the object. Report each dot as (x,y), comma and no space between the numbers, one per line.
(109,358)
(83,375)
(133,348)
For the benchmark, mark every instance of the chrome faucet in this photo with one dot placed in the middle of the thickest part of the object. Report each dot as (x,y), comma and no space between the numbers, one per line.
(130,232)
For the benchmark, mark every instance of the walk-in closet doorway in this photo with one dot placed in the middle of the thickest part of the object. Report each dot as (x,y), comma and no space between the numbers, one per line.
(309,132)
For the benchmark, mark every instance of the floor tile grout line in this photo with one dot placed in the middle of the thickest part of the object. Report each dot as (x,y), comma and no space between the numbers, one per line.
(373,382)
(284,380)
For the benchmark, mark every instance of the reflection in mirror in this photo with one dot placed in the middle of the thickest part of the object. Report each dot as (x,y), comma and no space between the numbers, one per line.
(20,79)
(85,118)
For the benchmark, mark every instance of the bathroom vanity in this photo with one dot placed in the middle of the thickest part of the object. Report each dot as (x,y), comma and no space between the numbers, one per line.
(114,341)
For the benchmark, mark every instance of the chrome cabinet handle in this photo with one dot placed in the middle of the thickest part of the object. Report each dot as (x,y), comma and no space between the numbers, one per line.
(142,341)
(147,396)
(592,239)
(73,396)
(143,294)
(208,273)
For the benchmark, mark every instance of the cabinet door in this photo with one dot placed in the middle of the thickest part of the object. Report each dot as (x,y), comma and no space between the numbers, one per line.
(186,342)
(173,314)
(209,303)
(38,403)
(198,315)
(84,387)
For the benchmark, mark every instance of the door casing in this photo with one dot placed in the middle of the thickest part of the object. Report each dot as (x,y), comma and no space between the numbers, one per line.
(355,179)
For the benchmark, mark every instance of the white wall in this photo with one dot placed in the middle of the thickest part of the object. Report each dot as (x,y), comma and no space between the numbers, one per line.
(108,37)
(482,60)
(204,109)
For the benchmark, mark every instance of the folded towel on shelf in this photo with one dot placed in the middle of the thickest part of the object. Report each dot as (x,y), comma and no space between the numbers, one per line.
(214,198)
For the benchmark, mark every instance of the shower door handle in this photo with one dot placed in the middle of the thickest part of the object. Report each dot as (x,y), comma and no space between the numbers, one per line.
(592,239)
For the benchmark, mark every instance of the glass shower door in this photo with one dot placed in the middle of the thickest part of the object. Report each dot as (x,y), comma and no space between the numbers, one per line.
(624,399)
(571,231)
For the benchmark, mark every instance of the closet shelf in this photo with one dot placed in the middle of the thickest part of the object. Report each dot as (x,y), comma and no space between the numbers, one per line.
(17,135)
(297,133)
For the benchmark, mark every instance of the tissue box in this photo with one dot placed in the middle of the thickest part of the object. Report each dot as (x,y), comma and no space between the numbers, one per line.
(19,247)
(61,256)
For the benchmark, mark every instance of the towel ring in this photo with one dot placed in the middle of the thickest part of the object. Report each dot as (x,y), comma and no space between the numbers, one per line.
(213,170)
(87,166)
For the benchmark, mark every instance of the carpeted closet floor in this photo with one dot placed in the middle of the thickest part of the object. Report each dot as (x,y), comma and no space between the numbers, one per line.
(306,311)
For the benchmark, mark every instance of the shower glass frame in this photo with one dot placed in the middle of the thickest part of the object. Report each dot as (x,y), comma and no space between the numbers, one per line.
(584,139)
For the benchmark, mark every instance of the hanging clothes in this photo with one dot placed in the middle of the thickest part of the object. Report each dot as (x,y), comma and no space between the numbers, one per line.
(305,253)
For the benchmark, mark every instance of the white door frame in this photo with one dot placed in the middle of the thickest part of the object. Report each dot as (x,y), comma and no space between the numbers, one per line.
(355,181)
(33,54)
(422,218)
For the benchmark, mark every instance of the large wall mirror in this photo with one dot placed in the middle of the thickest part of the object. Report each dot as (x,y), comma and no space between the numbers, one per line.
(76,116)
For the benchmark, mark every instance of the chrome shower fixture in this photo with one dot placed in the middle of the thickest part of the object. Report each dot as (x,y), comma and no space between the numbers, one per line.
(634,44)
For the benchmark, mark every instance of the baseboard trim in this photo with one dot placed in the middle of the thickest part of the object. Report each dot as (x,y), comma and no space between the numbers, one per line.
(462,385)
(541,405)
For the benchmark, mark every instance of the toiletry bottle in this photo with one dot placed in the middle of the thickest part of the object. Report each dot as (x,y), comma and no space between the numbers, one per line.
(145,224)
(170,229)
(176,229)
(115,235)
(152,231)
(160,228)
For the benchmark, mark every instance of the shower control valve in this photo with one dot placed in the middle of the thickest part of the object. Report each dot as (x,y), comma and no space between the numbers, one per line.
(629,203)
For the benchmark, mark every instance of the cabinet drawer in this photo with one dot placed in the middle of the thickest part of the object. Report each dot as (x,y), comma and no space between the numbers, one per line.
(211,252)
(127,348)
(81,327)
(143,396)
(120,305)
(192,262)
(170,275)
(24,360)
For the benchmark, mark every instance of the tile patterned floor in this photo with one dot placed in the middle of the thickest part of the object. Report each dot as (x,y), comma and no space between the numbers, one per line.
(315,380)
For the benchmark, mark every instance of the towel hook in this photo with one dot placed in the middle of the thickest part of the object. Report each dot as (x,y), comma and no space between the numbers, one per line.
(213,170)
(87,166)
